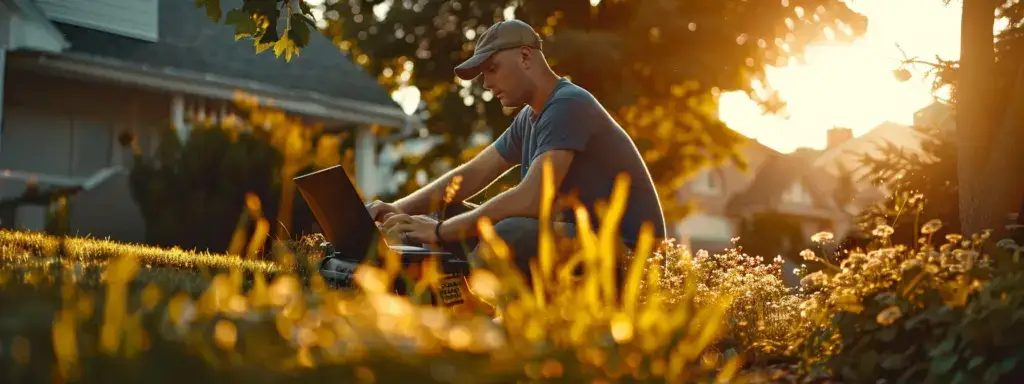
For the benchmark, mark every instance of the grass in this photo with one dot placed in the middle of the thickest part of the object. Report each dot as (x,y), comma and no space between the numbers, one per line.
(92,310)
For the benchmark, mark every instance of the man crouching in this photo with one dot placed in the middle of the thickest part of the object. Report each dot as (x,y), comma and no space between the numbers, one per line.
(560,122)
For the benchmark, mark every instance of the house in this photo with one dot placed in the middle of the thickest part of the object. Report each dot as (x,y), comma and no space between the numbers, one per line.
(804,188)
(79,72)
(710,227)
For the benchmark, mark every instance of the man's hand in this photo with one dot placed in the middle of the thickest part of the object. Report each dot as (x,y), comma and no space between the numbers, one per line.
(411,228)
(380,211)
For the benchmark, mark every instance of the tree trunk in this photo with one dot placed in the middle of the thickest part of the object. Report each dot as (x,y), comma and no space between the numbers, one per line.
(975,118)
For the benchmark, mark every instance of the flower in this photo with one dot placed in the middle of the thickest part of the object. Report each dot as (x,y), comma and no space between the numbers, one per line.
(889,315)
(808,255)
(821,237)
(883,231)
(931,226)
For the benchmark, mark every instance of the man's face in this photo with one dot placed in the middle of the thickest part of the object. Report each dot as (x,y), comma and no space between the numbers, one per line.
(504,74)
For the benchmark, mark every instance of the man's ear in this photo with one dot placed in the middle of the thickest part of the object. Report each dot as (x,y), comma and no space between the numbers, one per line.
(526,54)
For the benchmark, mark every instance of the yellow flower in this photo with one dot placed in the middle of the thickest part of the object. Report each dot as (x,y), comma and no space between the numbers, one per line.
(889,315)
(931,226)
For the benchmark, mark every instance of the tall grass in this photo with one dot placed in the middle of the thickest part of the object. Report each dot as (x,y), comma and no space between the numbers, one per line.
(115,312)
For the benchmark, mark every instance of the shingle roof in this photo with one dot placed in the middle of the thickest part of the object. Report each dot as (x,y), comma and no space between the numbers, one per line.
(776,175)
(191,41)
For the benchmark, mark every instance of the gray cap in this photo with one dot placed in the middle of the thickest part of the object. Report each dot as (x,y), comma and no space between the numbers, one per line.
(502,35)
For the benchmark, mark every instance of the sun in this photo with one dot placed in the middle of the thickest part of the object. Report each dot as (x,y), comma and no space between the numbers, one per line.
(852,85)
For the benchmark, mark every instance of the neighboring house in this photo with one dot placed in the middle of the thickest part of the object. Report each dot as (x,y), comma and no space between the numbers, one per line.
(79,72)
(802,185)
(710,227)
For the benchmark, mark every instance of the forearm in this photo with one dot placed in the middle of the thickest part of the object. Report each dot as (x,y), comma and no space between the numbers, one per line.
(428,199)
(514,202)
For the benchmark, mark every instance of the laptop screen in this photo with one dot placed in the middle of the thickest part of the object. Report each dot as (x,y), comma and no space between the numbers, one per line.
(340,210)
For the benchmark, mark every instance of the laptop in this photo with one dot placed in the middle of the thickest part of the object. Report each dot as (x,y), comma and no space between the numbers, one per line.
(343,217)
(354,236)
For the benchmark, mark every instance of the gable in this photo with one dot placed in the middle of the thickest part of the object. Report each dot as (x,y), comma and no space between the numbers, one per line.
(192,43)
(130,18)
(797,193)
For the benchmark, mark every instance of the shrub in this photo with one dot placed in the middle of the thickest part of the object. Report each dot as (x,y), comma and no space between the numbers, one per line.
(762,305)
(909,315)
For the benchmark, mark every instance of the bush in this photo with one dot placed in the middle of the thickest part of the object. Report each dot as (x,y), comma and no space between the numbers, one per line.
(911,315)
(762,306)
(192,194)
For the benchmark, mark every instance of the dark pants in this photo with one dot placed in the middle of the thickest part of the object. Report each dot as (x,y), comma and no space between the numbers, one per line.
(521,234)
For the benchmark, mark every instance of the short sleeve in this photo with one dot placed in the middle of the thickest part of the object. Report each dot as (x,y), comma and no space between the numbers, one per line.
(564,125)
(510,143)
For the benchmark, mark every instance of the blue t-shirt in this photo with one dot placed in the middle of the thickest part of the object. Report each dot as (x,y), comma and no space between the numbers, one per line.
(573,119)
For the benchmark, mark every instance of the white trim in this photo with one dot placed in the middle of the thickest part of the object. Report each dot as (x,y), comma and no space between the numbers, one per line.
(3,59)
(366,162)
(175,81)
(86,183)
(33,14)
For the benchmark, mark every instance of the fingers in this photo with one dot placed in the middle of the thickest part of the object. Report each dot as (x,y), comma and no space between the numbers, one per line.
(395,219)
(401,228)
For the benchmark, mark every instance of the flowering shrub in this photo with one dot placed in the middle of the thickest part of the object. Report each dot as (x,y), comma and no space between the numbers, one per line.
(913,314)
(762,306)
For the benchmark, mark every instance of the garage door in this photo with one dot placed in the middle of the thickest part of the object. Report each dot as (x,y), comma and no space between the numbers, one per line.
(52,143)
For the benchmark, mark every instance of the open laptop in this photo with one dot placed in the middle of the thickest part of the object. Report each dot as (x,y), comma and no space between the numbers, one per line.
(343,217)
(354,236)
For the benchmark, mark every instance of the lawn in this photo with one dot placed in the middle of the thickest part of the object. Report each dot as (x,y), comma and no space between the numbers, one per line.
(76,309)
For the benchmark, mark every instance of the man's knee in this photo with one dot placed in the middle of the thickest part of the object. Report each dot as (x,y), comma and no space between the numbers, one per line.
(518,233)
(514,228)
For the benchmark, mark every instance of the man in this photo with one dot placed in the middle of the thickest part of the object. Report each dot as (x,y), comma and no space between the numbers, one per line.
(559,121)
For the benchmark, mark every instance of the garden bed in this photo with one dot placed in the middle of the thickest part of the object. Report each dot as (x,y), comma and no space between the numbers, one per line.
(94,311)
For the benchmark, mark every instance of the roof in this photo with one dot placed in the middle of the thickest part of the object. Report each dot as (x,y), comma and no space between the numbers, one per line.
(779,173)
(849,153)
(190,41)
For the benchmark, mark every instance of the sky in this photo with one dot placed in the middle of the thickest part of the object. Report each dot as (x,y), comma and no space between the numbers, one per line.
(852,85)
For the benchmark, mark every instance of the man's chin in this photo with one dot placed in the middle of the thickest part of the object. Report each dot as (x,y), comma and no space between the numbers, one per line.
(509,104)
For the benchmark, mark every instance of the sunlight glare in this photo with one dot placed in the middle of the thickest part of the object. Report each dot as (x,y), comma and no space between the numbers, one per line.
(852,85)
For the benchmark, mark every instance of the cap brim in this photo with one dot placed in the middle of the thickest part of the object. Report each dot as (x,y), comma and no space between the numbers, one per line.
(470,68)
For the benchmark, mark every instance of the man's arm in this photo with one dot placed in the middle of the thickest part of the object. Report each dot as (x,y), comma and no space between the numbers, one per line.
(476,174)
(522,200)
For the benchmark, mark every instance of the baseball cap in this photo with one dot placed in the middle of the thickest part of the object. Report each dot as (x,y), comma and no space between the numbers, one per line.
(502,35)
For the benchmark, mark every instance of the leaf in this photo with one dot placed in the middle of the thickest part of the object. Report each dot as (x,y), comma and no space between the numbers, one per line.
(867,364)
(992,374)
(893,362)
(243,22)
(212,9)
(944,363)
(888,334)
(943,348)
(286,47)
(975,362)
(299,32)
(1007,364)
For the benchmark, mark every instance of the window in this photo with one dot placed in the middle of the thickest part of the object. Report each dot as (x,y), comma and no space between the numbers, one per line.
(796,194)
(707,182)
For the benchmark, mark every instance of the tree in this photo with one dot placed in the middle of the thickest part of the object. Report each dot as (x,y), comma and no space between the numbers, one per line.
(657,65)
(923,186)
(987,88)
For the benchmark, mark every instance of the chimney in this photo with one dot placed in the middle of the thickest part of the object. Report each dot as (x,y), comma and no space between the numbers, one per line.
(837,136)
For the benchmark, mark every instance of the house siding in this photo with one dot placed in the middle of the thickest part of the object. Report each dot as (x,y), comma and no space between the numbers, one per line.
(712,207)
(54,112)
(131,18)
